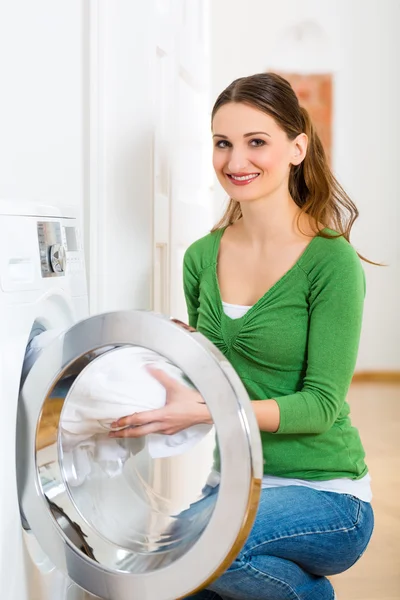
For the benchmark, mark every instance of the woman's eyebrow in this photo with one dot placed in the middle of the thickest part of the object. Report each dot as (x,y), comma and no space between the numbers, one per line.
(256,133)
(225,137)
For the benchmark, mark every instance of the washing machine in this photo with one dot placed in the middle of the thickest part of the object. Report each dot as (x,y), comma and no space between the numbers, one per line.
(82,514)
(42,288)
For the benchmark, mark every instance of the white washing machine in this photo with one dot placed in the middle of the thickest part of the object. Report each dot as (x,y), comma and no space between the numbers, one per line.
(83,515)
(42,287)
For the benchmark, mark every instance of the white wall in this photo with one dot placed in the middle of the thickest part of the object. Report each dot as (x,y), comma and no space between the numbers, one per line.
(95,101)
(183,101)
(76,127)
(41,111)
(149,80)
(361,46)
(119,198)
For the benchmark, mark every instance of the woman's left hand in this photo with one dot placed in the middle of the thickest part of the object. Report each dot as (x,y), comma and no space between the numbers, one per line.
(183,407)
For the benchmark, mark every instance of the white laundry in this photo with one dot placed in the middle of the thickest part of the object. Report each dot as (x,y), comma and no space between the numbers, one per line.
(110,455)
(115,385)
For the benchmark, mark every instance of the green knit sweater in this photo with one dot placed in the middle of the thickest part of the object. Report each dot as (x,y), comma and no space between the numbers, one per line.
(298,344)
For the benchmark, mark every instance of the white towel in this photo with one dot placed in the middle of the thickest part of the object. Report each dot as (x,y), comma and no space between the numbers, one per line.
(113,386)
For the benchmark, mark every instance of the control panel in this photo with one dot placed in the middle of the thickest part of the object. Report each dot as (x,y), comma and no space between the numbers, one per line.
(59,249)
(73,247)
(52,251)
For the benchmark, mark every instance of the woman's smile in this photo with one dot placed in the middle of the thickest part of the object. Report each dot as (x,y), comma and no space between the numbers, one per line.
(242,178)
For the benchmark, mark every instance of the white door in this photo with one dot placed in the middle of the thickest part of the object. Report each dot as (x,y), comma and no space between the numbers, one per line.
(182,160)
(109,512)
(148,176)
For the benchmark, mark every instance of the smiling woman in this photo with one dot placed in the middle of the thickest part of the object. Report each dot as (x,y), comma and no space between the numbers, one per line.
(278,288)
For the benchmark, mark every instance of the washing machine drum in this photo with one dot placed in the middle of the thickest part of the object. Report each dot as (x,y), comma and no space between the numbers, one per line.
(152,517)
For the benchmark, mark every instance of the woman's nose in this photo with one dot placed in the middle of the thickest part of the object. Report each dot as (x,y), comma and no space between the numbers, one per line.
(238,161)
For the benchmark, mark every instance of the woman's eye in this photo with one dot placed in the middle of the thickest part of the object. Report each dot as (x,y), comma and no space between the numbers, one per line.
(256,143)
(222,144)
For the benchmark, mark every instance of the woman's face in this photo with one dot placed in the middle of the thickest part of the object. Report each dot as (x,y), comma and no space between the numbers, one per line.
(252,154)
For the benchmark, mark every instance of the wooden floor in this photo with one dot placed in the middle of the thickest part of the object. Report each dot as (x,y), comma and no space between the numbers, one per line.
(375,410)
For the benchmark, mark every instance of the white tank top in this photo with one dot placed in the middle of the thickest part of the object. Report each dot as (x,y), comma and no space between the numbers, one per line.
(361,488)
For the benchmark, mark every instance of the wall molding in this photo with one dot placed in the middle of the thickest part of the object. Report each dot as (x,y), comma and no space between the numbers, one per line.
(376,377)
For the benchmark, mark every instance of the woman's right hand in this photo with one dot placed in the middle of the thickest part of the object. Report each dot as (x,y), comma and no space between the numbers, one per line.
(183,408)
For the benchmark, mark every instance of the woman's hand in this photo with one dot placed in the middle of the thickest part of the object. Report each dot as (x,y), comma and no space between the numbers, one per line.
(183,407)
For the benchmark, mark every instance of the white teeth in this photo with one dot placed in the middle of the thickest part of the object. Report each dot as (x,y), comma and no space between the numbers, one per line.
(244,177)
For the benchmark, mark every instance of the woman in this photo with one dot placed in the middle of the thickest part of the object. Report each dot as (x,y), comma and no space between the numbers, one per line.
(278,288)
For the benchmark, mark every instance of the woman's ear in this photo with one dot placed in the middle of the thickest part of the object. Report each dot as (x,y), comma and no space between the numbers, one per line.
(299,146)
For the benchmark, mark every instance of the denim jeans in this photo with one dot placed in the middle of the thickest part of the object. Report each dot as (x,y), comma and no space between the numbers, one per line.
(300,535)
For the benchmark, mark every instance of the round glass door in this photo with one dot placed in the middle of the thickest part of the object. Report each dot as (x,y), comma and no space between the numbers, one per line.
(149,497)
(156,516)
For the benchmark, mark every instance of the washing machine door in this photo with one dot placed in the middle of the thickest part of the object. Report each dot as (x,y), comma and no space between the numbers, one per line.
(156,517)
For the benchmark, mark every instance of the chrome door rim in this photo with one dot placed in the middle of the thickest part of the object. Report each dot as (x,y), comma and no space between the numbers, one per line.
(233,418)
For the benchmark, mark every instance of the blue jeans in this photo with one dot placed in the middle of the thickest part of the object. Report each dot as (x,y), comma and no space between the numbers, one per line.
(300,535)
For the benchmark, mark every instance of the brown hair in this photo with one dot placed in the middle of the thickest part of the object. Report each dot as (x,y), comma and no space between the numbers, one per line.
(312,184)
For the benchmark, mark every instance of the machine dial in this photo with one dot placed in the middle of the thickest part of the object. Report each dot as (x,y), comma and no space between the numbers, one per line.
(58,258)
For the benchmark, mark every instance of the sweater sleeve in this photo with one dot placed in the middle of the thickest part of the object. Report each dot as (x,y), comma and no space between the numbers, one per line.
(337,290)
(191,286)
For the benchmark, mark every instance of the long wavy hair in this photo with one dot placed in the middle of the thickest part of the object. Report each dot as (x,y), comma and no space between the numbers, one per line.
(312,184)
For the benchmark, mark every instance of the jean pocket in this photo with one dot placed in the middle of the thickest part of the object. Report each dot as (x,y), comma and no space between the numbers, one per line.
(362,516)
(353,507)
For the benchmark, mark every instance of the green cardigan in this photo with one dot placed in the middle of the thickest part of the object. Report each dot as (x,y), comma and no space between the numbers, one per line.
(298,344)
